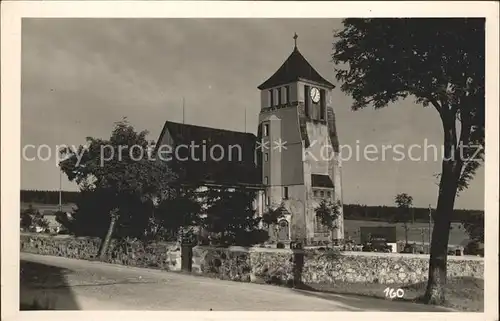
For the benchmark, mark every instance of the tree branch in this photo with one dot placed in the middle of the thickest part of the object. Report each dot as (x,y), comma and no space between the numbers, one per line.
(436,104)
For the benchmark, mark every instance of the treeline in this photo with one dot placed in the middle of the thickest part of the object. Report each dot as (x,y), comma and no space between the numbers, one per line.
(48,197)
(387,213)
(351,211)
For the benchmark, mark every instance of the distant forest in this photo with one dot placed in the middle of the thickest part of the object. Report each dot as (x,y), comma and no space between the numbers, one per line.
(351,211)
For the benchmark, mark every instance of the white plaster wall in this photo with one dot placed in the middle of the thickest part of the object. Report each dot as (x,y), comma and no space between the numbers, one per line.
(320,152)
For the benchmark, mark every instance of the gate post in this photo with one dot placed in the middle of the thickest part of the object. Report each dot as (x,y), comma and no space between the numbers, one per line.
(298,263)
(187,245)
(186,257)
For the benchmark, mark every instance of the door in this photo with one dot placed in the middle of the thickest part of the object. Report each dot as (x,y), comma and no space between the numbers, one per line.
(283,231)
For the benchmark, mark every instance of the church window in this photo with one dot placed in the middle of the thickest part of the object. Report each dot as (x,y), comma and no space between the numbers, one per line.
(271,98)
(322,112)
(322,193)
(266,157)
(306,100)
(279,96)
(328,194)
(266,180)
(315,193)
(265,130)
(285,192)
(287,94)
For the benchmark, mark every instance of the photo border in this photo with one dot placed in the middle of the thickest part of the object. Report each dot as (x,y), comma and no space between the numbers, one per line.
(11,14)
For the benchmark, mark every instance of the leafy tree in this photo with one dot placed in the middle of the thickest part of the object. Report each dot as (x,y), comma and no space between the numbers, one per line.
(231,215)
(180,211)
(404,203)
(441,63)
(120,181)
(327,213)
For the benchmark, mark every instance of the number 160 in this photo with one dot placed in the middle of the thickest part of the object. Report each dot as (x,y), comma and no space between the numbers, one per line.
(391,293)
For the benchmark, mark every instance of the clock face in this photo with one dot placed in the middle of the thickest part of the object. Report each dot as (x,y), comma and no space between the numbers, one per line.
(315,95)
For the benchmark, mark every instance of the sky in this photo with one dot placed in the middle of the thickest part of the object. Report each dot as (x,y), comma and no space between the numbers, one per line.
(79,76)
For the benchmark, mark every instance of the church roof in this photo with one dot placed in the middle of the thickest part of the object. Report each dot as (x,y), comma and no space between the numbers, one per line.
(295,68)
(231,162)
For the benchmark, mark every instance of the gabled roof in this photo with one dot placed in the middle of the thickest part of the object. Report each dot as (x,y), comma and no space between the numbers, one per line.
(318,180)
(237,152)
(295,68)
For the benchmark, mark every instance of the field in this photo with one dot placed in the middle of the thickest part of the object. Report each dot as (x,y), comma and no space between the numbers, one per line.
(457,233)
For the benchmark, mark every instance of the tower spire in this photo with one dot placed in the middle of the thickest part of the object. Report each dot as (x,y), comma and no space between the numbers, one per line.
(295,39)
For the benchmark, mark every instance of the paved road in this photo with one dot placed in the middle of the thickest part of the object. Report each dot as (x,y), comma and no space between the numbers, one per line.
(66,284)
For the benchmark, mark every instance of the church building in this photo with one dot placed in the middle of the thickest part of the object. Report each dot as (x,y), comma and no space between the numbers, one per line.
(293,161)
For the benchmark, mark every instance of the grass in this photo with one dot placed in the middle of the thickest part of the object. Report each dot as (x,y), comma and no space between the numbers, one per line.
(464,294)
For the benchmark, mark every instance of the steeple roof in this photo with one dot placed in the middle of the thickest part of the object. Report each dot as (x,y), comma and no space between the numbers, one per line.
(295,68)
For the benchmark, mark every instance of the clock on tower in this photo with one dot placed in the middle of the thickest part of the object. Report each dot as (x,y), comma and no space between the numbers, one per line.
(315,95)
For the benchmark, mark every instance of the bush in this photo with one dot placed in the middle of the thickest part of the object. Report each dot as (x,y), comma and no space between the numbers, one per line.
(474,248)
(64,219)
(31,219)
(26,221)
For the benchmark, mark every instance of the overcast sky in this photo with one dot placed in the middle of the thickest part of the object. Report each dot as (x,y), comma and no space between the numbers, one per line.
(79,76)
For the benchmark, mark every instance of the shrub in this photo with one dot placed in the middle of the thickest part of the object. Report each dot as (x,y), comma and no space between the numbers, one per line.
(474,248)
(31,218)
(64,219)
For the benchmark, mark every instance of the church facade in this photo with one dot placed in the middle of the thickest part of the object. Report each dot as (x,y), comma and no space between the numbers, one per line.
(293,161)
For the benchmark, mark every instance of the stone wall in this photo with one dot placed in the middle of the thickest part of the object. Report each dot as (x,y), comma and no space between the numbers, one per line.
(166,256)
(259,265)
(278,266)
(384,268)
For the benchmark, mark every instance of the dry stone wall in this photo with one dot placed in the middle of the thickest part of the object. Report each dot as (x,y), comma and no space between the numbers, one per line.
(384,268)
(259,265)
(166,256)
(280,266)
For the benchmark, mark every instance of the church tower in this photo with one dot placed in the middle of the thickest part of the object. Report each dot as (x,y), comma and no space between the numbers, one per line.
(299,148)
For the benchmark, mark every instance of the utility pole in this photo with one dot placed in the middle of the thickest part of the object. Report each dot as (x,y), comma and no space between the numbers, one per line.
(60,183)
(60,189)
(430,223)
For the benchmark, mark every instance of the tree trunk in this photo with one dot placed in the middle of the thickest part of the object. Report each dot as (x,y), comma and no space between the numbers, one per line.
(107,239)
(450,173)
(435,293)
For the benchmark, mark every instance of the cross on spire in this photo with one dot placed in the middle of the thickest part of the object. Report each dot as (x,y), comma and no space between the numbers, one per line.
(295,39)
